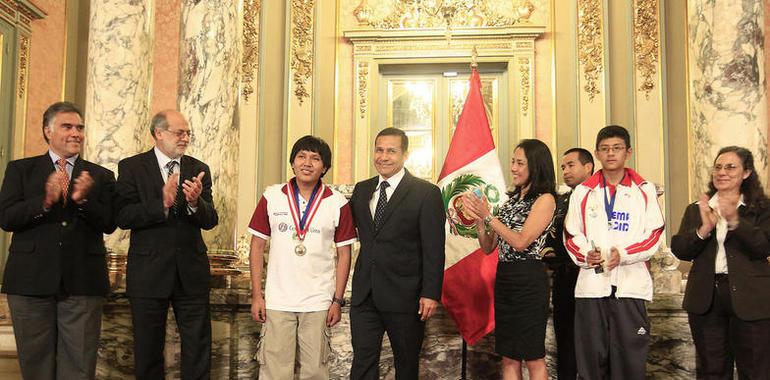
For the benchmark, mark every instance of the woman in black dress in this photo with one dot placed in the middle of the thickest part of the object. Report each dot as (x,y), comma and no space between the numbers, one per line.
(519,232)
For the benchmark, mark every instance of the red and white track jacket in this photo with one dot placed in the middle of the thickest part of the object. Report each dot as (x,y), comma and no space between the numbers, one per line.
(636,229)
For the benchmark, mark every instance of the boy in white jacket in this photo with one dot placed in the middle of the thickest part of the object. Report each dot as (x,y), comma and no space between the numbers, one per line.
(613,226)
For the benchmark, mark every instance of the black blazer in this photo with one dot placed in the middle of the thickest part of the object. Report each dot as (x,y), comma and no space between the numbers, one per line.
(747,248)
(61,250)
(160,244)
(404,259)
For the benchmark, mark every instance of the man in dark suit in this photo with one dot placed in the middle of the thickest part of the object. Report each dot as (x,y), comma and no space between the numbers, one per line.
(165,200)
(57,205)
(577,165)
(400,267)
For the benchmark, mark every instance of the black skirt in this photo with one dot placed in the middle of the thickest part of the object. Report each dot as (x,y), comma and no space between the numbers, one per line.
(521,309)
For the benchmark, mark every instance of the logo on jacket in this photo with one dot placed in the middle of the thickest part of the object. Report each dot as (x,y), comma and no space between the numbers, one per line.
(283,227)
(641,331)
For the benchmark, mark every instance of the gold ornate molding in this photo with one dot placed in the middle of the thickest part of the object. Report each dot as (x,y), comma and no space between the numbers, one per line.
(363,75)
(442,13)
(250,59)
(590,44)
(20,12)
(23,65)
(524,69)
(301,46)
(646,43)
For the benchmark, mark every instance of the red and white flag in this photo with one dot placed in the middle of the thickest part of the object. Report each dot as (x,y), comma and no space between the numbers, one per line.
(471,163)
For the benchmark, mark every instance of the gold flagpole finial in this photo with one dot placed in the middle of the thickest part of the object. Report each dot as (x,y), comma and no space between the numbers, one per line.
(474,57)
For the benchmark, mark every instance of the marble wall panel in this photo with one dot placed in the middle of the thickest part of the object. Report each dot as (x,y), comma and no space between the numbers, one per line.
(727,83)
(210,56)
(118,86)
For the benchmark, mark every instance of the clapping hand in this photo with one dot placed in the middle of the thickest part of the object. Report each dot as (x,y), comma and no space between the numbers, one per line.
(53,190)
(169,191)
(708,216)
(81,186)
(192,189)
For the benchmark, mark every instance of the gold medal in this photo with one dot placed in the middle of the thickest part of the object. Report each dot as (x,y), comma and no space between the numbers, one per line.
(300,250)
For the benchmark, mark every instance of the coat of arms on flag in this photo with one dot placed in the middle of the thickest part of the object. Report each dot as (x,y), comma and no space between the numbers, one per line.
(471,165)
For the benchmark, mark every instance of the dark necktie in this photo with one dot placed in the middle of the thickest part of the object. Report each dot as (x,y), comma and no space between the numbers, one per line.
(382,202)
(170,167)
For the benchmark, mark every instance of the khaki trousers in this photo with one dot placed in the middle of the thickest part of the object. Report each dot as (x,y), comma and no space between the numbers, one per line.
(286,334)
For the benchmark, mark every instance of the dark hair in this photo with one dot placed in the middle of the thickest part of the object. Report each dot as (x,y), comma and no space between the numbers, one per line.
(751,188)
(316,145)
(542,179)
(613,131)
(159,121)
(54,109)
(584,156)
(390,131)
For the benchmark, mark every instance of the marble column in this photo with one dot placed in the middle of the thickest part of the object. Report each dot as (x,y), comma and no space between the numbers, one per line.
(118,86)
(210,56)
(728,104)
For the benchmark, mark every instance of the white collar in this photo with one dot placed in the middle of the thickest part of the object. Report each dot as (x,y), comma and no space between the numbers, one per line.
(55,157)
(393,181)
(163,159)
(714,201)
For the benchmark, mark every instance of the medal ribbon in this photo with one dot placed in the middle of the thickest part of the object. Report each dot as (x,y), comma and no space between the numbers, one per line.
(609,204)
(302,225)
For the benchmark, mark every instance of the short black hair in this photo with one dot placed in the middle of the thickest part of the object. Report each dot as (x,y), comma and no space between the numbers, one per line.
(613,131)
(584,156)
(54,109)
(542,178)
(390,131)
(316,145)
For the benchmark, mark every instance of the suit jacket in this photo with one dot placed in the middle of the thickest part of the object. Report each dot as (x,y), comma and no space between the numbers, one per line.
(61,250)
(403,260)
(560,262)
(747,248)
(161,246)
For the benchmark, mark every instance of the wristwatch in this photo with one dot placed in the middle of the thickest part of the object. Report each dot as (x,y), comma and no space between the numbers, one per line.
(487,220)
(339,301)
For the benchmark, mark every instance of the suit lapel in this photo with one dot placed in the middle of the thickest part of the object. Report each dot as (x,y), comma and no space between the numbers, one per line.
(153,170)
(368,190)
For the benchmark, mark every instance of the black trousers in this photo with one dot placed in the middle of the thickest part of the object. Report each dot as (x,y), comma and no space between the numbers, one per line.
(721,339)
(563,299)
(193,321)
(612,337)
(405,332)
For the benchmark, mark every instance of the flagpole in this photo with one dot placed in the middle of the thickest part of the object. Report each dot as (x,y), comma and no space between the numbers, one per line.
(464,363)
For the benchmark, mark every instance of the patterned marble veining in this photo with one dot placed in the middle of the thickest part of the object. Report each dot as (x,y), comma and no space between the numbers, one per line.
(235,336)
(118,85)
(727,92)
(210,55)
(234,339)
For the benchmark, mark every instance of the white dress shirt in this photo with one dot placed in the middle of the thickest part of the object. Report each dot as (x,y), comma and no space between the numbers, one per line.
(720,263)
(70,162)
(393,181)
(163,160)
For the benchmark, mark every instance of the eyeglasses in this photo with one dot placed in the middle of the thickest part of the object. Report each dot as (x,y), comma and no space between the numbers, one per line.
(613,149)
(180,133)
(728,168)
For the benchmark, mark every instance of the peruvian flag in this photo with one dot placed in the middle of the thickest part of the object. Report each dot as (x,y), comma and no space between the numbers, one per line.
(471,165)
